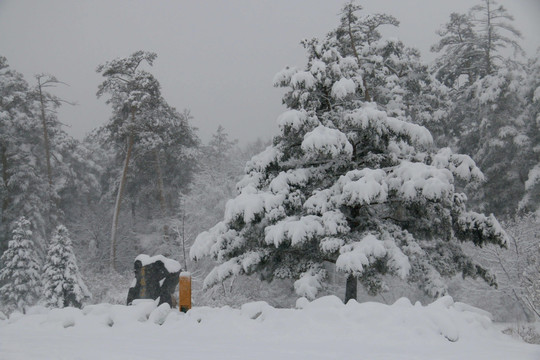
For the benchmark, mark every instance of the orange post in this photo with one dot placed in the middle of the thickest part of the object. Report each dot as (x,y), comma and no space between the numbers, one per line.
(184,296)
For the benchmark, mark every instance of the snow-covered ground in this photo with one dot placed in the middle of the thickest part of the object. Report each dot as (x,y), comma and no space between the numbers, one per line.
(322,329)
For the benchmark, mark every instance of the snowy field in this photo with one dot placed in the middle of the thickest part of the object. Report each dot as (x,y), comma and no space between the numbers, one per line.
(322,329)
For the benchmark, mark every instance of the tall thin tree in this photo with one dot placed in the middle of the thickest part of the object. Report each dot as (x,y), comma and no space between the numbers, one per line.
(132,92)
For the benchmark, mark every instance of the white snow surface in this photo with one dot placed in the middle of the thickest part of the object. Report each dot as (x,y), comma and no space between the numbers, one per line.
(171,265)
(322,329)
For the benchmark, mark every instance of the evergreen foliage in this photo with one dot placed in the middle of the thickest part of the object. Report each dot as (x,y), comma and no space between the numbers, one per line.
(63,285)
(531,93)
(344,183)
(20,272)
(473,44)
(489,115)
(24,187)
(148,130)
(392,74)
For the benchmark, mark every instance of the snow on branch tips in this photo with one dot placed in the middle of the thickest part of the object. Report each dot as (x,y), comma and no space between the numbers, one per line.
(222,272)
(483,229)
(297,231)
(415,180)
(355,257)
(330,142)
(460,165)
(364,186)
(250,204)
(369,117)
(283,78)
(303,78)
(342,88)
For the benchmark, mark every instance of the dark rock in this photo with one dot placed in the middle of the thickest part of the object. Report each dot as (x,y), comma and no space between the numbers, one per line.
(155,277)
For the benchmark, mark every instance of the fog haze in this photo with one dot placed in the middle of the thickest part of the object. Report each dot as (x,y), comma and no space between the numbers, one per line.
(216,58)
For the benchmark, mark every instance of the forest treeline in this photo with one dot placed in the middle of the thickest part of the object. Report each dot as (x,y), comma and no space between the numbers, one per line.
(145,182)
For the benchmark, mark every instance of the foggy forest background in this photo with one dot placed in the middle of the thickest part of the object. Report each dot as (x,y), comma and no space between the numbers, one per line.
(479,97)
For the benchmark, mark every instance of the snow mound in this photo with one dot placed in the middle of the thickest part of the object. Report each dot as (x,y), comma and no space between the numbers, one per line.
(321,329)
(171,265)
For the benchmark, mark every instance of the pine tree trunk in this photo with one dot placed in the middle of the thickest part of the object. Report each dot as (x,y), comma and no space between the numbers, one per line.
(351,37)
(489,33)
(162,202)
(351,288)
(117,204)
(47,161)
(45,138)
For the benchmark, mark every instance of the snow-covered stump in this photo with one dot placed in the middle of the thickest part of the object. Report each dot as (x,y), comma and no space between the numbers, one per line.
(155,277)
(184,292)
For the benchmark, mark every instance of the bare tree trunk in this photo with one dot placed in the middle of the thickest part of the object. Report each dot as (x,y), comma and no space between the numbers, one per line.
(118,201)
(184,234)
(351,288)
(47,145)
(45,136)
(489,33)
(162,202)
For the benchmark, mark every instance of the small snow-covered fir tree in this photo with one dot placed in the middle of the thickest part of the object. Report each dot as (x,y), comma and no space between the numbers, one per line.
(19,271)
(63,285)
(344,183)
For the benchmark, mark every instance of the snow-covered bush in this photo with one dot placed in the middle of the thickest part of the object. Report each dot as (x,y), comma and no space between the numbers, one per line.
(519,265)
(530,333)
(517,270)
(19,272)
(63,285)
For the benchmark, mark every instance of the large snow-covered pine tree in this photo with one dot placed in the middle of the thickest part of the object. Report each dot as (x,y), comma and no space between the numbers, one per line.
(19,271)
(345,183)
(63,285)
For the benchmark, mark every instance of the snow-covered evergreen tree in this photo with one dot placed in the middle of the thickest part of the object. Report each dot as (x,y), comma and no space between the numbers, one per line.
(474,44)
(19,271)
(531,94)
(393,75)
(147,129)
(23,185)
(488,115)
(63,285)
(495,135)
(346,184)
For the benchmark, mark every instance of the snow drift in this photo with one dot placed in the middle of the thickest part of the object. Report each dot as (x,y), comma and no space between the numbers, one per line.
(322,329)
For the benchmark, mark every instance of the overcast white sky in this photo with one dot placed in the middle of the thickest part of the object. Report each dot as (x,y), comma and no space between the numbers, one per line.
(215,57)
